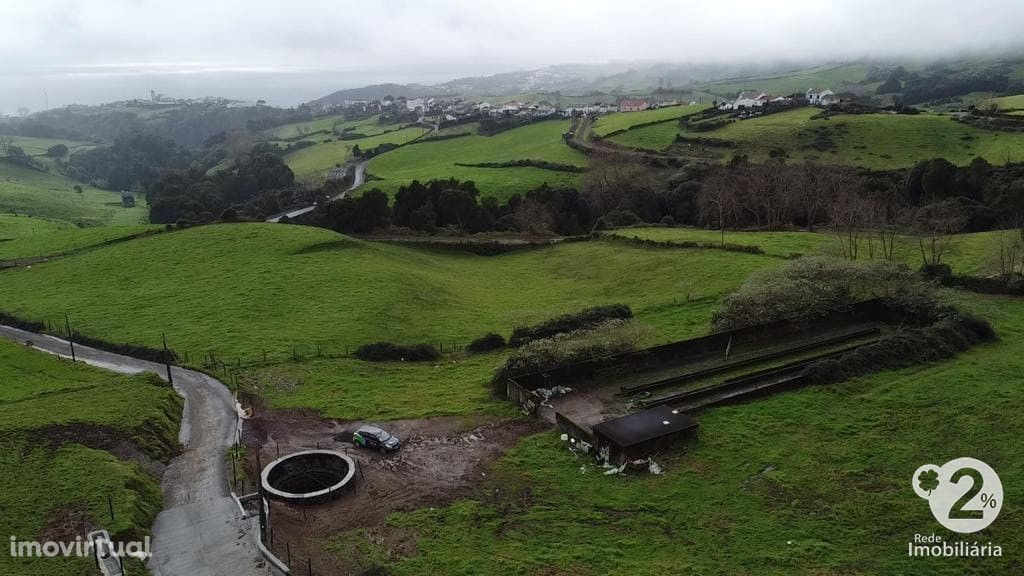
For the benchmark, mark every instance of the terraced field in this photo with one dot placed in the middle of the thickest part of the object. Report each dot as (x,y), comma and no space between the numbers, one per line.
(51,195)
(429,160)
(625,120)
(327,126)
(879,141)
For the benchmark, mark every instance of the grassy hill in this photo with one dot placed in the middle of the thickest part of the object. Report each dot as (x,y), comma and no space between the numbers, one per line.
(877,141)
(428,160)
(625,120)
(327,126)
(63,240)
(241,289)
(968,253)
(1010,104)
(15,226)
(830,76)
(51,195)
(312,164)
(63,484)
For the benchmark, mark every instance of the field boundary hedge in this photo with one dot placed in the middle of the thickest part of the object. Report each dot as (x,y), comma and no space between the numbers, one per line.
(526,163)
(649,243)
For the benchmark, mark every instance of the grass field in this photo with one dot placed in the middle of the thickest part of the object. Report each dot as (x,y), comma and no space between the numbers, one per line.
(811,482)
(39,146)
(238,290)
(967,253)
(832,77)
(313,163)
(625,120)
(878,141)
(63,481)
(323,127)
(62,240)
(13,226)
(430,160)
(1011,104)
(51,195)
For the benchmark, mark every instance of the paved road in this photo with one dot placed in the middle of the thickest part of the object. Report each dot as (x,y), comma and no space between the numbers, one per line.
(357,181)
(195,490)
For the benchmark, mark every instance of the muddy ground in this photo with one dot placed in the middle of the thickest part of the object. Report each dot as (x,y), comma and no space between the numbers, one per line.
(441,459)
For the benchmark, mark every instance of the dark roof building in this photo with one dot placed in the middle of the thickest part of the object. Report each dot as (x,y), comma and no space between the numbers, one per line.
(639,435)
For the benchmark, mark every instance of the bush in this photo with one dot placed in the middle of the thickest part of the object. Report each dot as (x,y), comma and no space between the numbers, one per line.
(583,319)
(668,220)
(486,343)
(386,351)
(621,218)
(810,288)
(610,337)
(952,333)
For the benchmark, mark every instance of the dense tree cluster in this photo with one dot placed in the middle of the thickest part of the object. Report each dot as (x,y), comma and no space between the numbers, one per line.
(131,163)
(260,184)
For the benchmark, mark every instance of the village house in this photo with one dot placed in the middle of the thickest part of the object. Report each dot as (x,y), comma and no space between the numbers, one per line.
(822,98)
(633,105)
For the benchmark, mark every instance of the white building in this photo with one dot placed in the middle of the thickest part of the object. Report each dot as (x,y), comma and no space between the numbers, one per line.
(822,98)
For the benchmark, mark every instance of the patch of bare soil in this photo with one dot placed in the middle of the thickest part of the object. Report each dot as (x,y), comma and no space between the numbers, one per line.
(98,438)
(64,523)
(441,460)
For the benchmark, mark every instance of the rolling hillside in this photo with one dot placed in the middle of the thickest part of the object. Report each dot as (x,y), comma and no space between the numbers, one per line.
(879,141)
(312,164)
(244,288)
(51,195)
(428,160)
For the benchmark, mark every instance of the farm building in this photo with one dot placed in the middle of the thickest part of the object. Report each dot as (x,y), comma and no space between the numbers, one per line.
(639,435)
(127,200)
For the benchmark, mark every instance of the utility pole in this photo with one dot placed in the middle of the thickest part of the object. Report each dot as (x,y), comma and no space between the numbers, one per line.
(71,337)
(167,360)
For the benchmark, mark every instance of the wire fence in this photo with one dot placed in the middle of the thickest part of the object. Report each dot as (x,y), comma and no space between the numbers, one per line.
(222,363)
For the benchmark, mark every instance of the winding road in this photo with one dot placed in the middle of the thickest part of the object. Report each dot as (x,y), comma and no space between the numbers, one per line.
(201,530)
(358,178)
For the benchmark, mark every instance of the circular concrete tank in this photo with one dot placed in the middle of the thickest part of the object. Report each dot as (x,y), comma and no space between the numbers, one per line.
(308,477)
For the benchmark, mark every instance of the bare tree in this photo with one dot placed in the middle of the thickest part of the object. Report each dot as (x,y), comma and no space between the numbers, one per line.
(534,217)
(847,210)
(610,178)
(718,200)
(6,141)
(935,224)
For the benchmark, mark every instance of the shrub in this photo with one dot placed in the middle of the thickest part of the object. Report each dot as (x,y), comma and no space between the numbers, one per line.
(809,288)
(607,338)
(952,333)
(668,220)
(621,218)
(486,343)
(385,351)
(583,319)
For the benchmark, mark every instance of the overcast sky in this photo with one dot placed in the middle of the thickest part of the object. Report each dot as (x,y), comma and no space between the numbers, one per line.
(287,52)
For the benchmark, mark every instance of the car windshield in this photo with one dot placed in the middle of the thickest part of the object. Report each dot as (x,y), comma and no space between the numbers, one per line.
(383,436)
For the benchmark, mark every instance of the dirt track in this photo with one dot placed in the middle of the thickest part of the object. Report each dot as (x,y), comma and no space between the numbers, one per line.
(441,460)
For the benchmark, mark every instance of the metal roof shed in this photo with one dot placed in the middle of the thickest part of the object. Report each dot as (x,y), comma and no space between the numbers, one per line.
(638,435)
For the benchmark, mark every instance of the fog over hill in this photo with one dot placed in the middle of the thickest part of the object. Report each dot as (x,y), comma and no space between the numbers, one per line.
(54,53)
